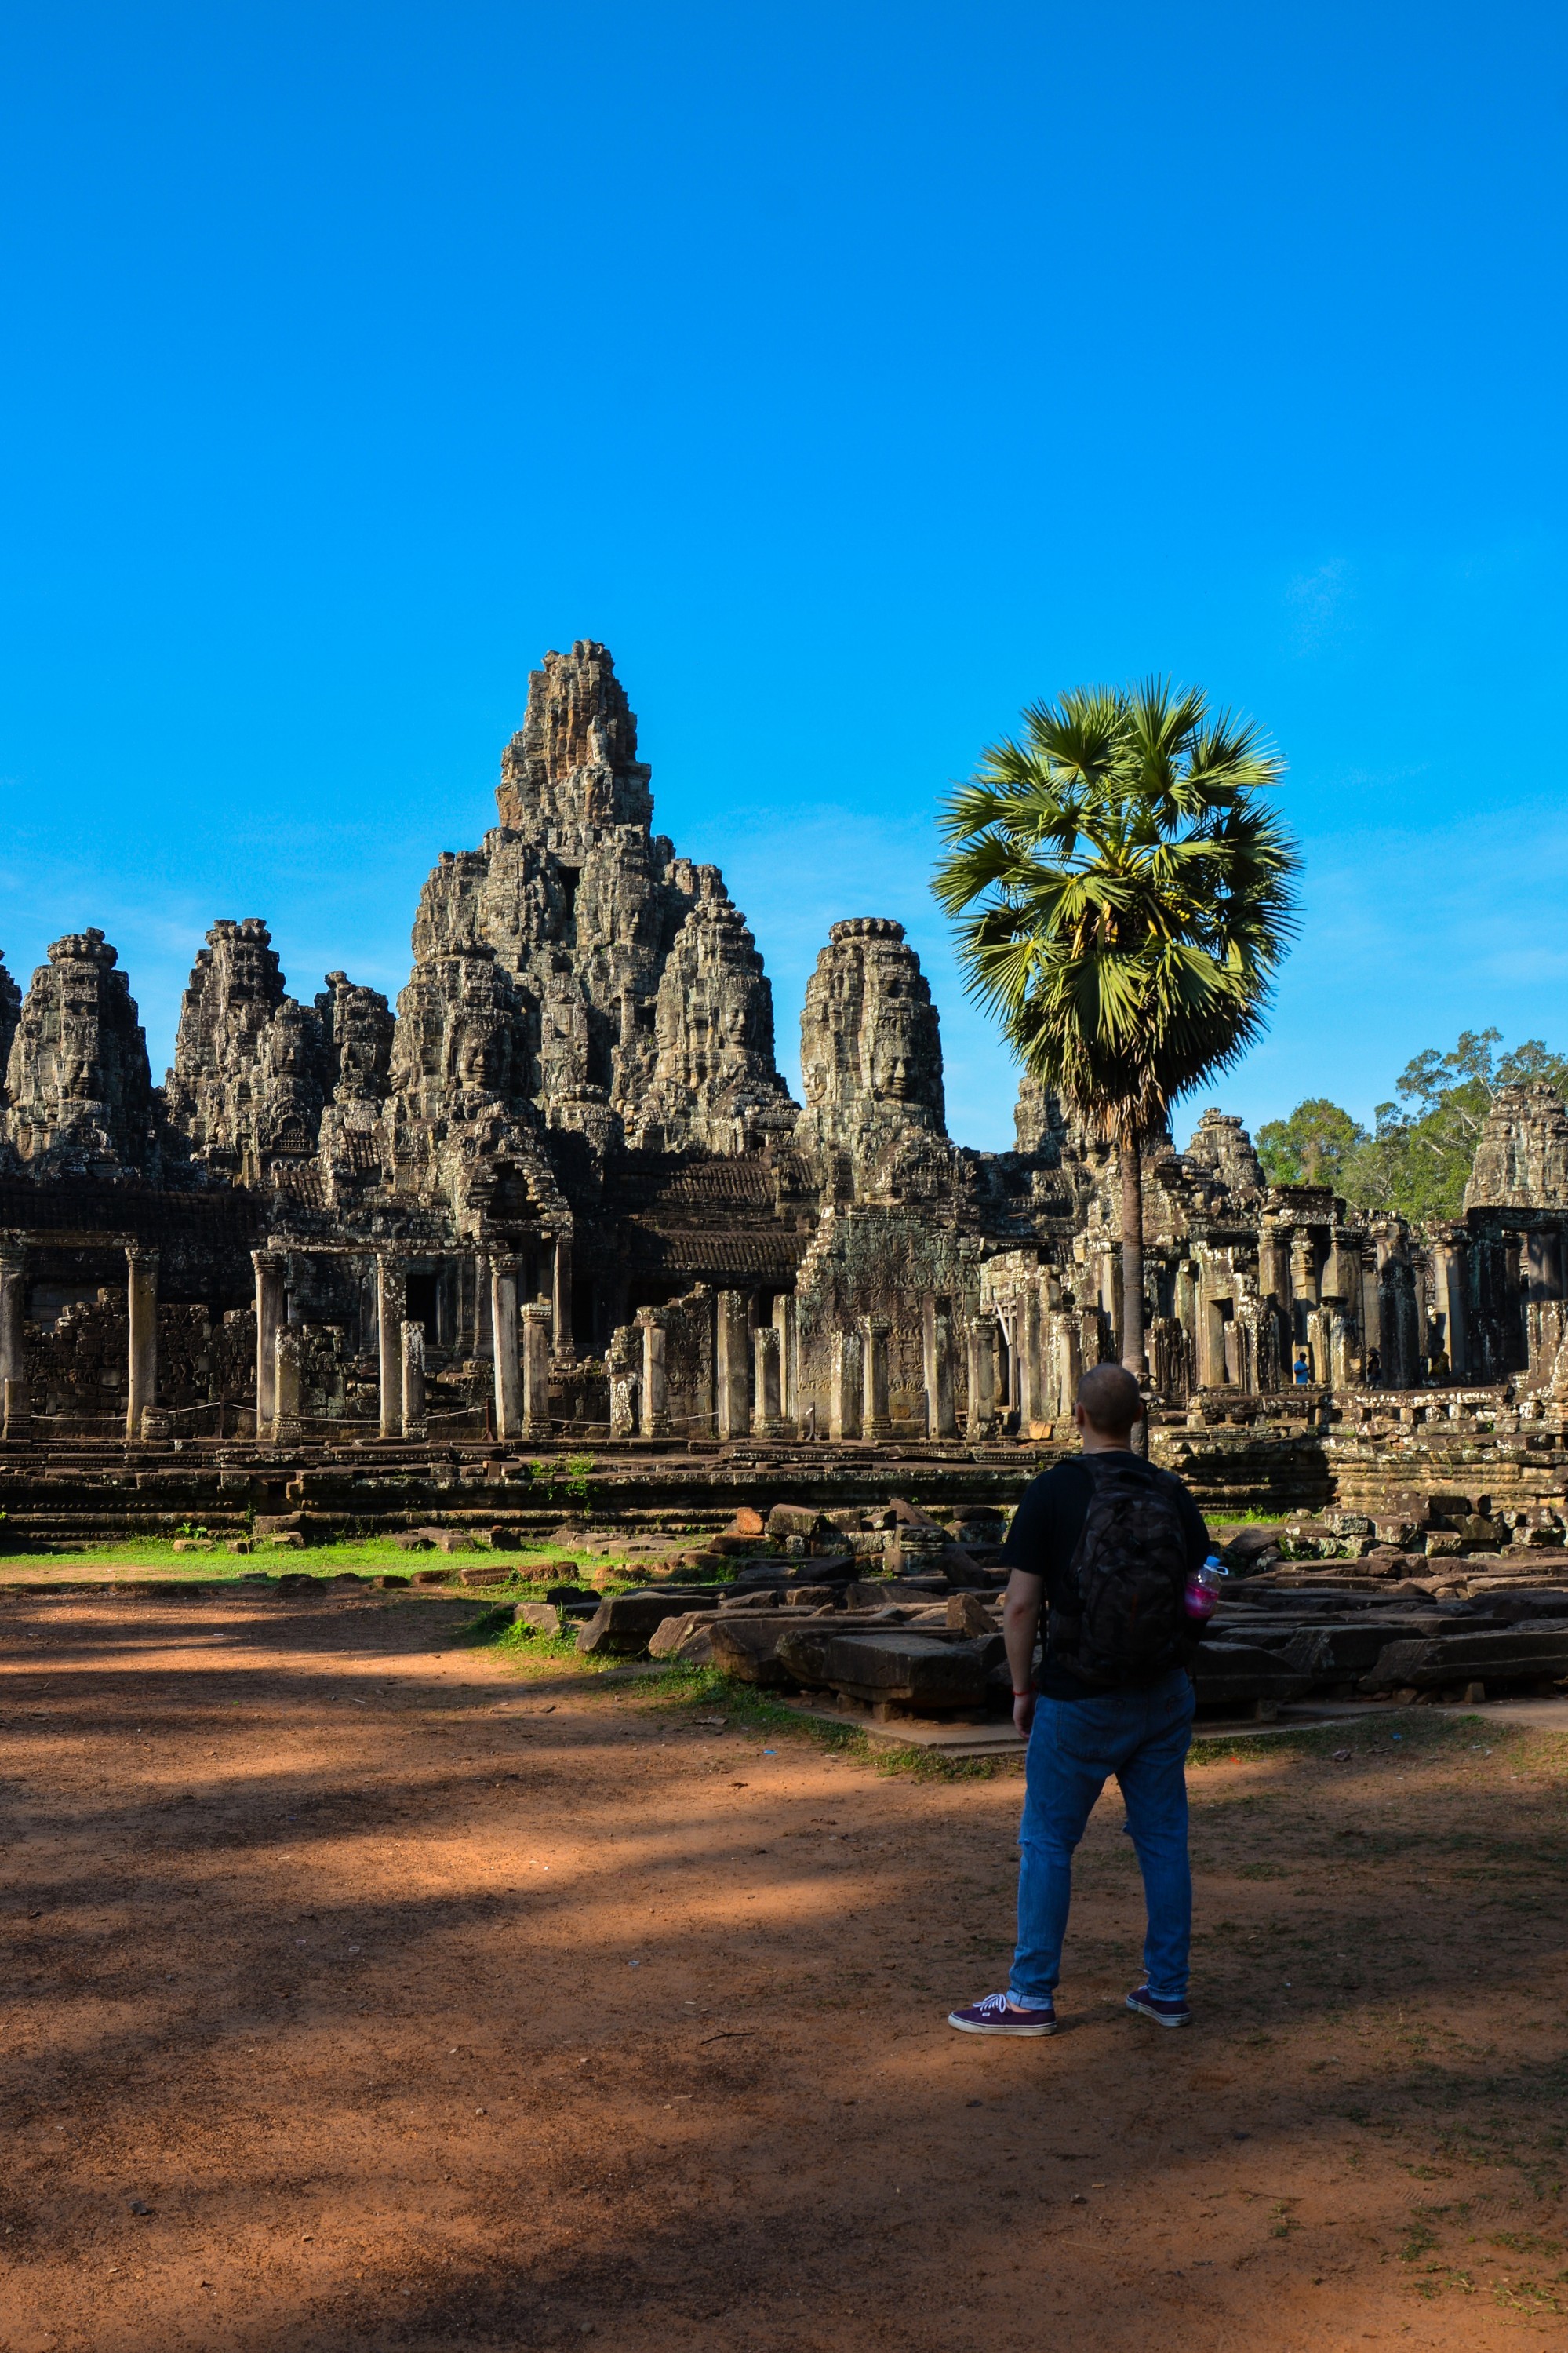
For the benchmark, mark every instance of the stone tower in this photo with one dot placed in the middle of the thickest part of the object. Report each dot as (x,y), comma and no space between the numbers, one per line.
(80,1091)
(870,1048)
(1521,1155)
(581,905)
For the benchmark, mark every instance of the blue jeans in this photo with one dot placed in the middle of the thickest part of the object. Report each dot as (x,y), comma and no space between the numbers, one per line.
(1141,1736)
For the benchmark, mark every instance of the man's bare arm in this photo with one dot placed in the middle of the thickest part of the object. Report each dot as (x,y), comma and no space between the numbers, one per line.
(1021,1606)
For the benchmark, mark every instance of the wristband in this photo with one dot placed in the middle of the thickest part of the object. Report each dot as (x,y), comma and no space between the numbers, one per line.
(1028,1694)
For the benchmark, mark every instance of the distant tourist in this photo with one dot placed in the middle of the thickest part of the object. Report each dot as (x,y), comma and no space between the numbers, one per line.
(1115,1551)
(1437,1365)
(1373,1369)
(1302,1372)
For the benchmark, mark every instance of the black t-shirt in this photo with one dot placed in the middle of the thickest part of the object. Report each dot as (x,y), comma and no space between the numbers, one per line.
(1044,1538)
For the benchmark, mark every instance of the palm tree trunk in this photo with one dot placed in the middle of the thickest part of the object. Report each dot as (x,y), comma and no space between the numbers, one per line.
(1132,1254)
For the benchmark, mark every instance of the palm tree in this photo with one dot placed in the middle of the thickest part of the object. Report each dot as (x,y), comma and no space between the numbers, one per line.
(1123,900)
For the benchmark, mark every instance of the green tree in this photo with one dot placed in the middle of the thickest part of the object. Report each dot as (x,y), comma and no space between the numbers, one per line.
(1418,1161)
(1316,1145)
(1123,899)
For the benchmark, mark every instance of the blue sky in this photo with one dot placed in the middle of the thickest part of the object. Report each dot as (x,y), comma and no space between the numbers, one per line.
(857,374)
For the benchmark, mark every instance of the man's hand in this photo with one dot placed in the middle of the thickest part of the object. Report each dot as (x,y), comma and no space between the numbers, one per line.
(1023,1711)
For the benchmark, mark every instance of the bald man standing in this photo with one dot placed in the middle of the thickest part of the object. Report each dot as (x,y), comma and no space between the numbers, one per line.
(1105,1544)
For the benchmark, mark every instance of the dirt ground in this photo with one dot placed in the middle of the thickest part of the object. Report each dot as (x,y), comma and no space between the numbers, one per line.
(359,1993)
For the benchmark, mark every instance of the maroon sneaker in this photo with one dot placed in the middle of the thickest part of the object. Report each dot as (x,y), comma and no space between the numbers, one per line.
(1162,2011)
(996,2015)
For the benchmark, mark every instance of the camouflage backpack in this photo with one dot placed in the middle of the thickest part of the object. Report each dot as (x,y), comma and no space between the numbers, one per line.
(1128,1624)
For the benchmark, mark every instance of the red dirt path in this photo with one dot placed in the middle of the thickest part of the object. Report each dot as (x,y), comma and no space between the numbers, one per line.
(429,2008)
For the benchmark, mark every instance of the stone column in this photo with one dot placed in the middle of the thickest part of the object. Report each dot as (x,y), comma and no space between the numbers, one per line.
(1029,1329)
(767,1409)
(1341,1274)
(391,1300)
(269,1270)
(875,1419)
(789,1381)
(1450,1271)
(560,1294)
(654,1417)
(414,1424)
(732,1347)
(286,1385)
(13,1357)
(141,1367)
(536,1323)
(982,1420)
(504,1345)
(941,1419)
(1273,1264)
(845,1383)
(1370,1300)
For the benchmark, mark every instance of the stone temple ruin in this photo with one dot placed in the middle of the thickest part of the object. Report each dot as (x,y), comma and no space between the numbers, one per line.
(359,1263)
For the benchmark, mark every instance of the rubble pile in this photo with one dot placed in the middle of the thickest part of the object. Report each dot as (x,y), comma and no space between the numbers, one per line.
(902,1619)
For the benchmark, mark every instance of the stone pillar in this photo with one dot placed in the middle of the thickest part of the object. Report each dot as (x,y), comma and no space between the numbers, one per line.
(141,1367)
(942,1421)
(767,1409)
(1273,1264)
(655,1416)
(845,1385)
(1029,1331)
(875,1419)
(1450,1280)
(536,1323)
(391,1300)
(789,1365)
(1370,1300)
(13,1358)
(982,1420)
(1341,1274)
(504,1345)
(269,1270)
(560,1294)
(732,1347)
(286,1385)
(413,1380)
(1303,1286)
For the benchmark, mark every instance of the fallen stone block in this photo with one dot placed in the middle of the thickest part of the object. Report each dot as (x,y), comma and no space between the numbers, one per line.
(1242,1674)
(540,1617)
(810,1596)
(745,1645)
(289,1540)
(967,1614)
(913,1670)
(621,1626)
(193,1544)
(391,1581)
(795,1520)
(1335,1653)
(746,1523)
(407,1540)
(874,1593)
(485,1576)
(684,1637)
(1511,1654)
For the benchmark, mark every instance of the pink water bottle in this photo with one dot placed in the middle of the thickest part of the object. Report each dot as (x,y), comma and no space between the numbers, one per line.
(1203,1589)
